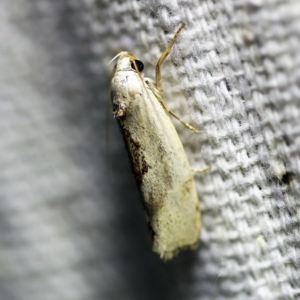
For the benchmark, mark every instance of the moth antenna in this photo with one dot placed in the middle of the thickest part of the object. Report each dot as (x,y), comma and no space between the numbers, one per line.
(119,54)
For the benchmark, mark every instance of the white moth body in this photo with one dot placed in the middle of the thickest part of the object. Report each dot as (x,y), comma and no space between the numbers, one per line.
(160,165)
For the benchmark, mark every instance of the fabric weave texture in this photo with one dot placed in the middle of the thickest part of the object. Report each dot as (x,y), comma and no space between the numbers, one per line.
(69,229)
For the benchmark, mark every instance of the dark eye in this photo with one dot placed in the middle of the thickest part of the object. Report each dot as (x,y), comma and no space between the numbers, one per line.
(138,64)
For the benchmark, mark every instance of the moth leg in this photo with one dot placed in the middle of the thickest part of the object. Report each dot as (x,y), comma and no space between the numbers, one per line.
(164,56)
(201,170)
(158,79)
(168,110)
(183,122)
(159,98)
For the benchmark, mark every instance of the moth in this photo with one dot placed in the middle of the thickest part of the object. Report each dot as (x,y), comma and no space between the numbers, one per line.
(162,171)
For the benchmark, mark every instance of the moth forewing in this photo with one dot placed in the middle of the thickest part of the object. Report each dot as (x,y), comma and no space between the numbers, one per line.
(160,165)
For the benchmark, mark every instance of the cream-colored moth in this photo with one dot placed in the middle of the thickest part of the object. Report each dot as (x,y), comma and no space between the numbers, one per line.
(160,165)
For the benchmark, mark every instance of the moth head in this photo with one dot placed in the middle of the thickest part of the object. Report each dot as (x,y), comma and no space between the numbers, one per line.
(128,62)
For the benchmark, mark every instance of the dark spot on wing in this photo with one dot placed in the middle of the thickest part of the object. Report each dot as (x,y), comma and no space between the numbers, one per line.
(140,166)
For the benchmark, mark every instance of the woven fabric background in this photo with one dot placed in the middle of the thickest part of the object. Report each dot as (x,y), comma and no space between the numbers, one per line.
(67,230)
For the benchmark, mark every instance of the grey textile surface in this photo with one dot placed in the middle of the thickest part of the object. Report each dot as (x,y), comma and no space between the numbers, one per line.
(67,231)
